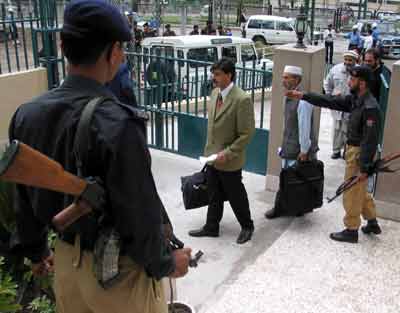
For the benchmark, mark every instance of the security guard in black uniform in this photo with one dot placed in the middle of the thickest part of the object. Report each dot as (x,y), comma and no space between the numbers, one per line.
(363,136)
(92,41)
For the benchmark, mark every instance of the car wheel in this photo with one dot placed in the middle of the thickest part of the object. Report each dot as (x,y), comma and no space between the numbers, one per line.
(260,40)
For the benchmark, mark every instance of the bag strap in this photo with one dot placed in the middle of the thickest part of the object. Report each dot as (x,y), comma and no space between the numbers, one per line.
(82,143)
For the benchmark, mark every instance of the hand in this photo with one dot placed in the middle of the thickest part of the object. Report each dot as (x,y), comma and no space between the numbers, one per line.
(221,158)
(44,267)
(182,258)
(302,157)
(294,94)
(363,176)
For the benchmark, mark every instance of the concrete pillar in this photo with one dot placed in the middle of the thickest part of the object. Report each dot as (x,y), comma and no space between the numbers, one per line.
(388,186)
(312,60)
(15,89)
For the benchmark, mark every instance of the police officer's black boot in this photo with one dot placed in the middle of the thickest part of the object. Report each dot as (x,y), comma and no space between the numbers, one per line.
(371,227)
(347,235)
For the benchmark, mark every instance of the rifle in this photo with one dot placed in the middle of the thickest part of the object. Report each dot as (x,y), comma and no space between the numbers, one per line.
(16,167)
(380,165)
(23,165)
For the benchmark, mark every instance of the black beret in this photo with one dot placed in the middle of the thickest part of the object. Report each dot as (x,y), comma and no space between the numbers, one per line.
(363,72)
(95,20)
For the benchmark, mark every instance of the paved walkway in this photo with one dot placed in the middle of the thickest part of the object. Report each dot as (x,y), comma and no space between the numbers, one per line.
(291,265)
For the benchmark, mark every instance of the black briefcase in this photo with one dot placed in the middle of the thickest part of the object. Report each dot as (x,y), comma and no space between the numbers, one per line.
(194,190)
(301,188)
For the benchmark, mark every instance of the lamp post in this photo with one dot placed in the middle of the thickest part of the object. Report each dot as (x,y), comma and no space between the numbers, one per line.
(301,28)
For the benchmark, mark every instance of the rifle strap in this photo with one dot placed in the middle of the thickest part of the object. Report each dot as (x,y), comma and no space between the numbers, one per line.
(82,142)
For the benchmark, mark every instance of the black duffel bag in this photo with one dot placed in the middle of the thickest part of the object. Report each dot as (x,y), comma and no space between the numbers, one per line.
(301,188)
(194,190)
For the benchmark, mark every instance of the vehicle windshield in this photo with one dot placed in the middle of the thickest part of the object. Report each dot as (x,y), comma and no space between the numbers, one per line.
(388,28)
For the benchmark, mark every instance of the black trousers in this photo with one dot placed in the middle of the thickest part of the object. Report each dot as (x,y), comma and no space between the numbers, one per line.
(328,52)
(226,185)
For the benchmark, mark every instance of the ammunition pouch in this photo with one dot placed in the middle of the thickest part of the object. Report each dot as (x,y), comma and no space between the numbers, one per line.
(106,256)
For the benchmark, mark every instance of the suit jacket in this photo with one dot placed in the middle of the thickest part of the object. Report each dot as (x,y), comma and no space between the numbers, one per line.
(231,128)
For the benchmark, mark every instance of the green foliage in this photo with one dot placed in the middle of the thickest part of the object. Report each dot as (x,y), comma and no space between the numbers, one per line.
(8,291)
(42,305)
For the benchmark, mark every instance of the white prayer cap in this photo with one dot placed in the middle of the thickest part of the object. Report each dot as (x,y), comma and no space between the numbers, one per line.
(352,54)
(374,25)
(355,27)
(294,70)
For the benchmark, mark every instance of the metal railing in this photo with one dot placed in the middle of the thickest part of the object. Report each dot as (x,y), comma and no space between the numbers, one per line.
(29,38)
(174,90)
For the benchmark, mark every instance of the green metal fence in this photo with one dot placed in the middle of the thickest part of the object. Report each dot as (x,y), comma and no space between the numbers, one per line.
(175,93)
(29,38)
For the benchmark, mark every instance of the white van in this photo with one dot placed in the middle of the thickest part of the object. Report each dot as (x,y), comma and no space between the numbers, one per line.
(269,29)
(205,49)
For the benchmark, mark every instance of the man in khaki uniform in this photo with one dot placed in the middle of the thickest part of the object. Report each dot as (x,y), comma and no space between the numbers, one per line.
(231,126)
(362,141)
(92,40)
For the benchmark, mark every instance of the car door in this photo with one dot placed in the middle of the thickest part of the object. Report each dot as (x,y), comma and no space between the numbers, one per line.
(285,32)
(253,28)
(268,30)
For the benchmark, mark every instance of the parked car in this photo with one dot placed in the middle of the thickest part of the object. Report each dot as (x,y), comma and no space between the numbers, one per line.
(390,46)
(269,29)
(195,76)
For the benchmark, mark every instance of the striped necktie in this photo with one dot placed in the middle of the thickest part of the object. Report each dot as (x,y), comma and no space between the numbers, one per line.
(219,102)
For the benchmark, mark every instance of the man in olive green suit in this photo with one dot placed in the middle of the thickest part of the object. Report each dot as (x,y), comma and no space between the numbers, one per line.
(230,129)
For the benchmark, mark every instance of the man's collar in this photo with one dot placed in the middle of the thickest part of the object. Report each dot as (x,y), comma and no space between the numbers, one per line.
(226,91)
(87,85)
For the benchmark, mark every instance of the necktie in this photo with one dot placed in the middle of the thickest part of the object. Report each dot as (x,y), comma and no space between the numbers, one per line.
(219,102)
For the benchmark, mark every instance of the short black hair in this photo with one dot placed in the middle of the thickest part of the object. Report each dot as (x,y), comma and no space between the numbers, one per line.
(362,72)
(375,52)
(84,52)
(226,65)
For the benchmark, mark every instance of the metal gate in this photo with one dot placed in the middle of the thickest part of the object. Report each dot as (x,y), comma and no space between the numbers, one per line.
(175,93)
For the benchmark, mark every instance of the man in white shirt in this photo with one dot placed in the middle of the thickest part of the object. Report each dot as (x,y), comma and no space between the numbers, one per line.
(335,84)
(368,41)
(329,37)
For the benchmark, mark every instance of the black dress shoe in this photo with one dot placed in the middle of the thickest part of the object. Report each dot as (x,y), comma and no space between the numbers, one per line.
(347,235)
(270,214)
(371,227)
(202,232)
(245,235)
(335,156)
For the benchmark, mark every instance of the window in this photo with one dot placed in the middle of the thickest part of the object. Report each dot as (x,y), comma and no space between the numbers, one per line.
(248,53)
(202,54)
(268,25)
(229,52)
(181,55)
(284,26)
(254,24)
(163,51)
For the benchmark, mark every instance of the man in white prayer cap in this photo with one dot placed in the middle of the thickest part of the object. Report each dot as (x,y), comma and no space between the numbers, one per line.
(336,84)
(299,139)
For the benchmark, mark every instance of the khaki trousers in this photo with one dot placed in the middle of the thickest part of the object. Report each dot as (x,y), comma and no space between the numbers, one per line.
(77,290)
(356,201)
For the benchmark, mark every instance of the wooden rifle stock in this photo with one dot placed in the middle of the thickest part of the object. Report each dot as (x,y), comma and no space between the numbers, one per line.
(23,165)
(70,214)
